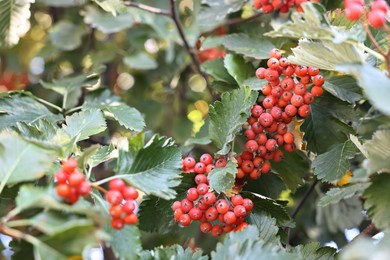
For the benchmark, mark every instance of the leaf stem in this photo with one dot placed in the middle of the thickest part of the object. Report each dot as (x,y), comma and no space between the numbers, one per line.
(73,110)
(98,183)
(47,103)
(372,39)
(147,8)
(304,198)
(96,186)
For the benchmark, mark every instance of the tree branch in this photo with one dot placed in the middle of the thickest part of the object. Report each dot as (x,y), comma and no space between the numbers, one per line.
(368,231)
(147,8)
(304,198)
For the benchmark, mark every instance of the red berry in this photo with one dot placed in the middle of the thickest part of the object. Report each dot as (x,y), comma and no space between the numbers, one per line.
(211,214)
(266,89)
(129,193)
(69,165)
(192,194)
(209,168)
(75,179)
(185,220)
(318,80)
(189,162)
(354,11)
(131,219)
(266,167)
(176,205)
(273,63)
(202,188)
(116,211)
(221,162)
(251,146)
(248,204)
(316,91)
(116,184)
(289,147)
(205,227)
(195,214)
(216,230)
(186,205)
(177,214)
(260,73)
(304,111)
(61,177)
(206,159)
(275,53)
(129,206)
(376,18)
(237,200)
(210,198)
(257,111)
(117,223)
(266,119)
(290,110)
(63,190)
(313,71)
(308,98)
(380,5)
(114,197)
(271,145)
(200,178)
(250,134)
(200,168)
(288,138)
(247,166)
(240,210)
(84,188)
(222,206)
(255,174)
(229,218)
(300,70)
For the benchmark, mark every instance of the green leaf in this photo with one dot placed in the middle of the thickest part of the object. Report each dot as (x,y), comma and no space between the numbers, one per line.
(84,124)
(112,6)
(367,248)
(21,161)
(314,251)
(128,117)
(20,108)
(335,195)
(339,216)
(102,154)
(246,245)
(222,179)
(216,69)
(343,87)
(63,3)
(14,21)
(156,215)
(378,152)
(375,85)
(327,124)
(66,36)
(238,68)
(339,157)
(126,243)
(140,61)
(292,169)
(30,196)
(228,115)
(377,202)
(106,22)
(269,207)
(175,252)
(268,231)
(157,176)
(249,46)
(216,11)
(325,55)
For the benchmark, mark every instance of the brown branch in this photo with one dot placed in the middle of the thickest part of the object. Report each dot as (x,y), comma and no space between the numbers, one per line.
(304,198)
(195,61)
(148,8)
(372,39)
(368,231)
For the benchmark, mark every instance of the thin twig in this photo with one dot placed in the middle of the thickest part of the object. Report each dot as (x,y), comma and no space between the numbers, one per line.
(304,198)
(190,50)
(148,8)
(372,39)
(368,231)
(99,188)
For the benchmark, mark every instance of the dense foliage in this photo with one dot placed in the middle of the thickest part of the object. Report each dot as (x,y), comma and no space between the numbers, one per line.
(194,129)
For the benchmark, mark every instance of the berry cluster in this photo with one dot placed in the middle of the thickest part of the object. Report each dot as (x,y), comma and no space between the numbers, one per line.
(268,6)
(201,204)
(71,183)
(289,92)
(376,16)
(123,205)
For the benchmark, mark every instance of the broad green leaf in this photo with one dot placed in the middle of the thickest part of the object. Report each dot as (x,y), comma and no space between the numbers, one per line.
(246,245)
(268,231)
(156,215)
(249,46)
(332,165)
(367,248)
(377,202)
(21,161)
(228,115)
(126,243)
(14,16)
(128,117)
(175,252)
(84,124)
(254,83)
(269,185)
(238,68)
(222,179)
(67,243)
(343,87)
(216,69)
(335,195)
(375,85)
(66,36)
(327,123)
(45,252)
(62,3)
(41,129)
(378,152)
(156,168)
(20,108)
(30,196)
(339,216)
(140,61)
(102,154)
(314,251)
(112,6)
(292,169)
(325,54)
(216,11)
(106,22)
(264,205)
